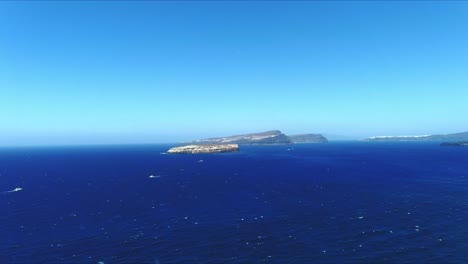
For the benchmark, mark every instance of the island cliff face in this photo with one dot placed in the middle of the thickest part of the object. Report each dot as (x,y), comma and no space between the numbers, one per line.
(269,137)
(308,138)
(207,148)
(446,137)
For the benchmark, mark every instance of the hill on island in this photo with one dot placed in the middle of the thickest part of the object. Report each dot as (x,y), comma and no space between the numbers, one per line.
(268,137)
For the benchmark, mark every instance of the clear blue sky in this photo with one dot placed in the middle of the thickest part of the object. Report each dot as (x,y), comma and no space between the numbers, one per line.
(123,72)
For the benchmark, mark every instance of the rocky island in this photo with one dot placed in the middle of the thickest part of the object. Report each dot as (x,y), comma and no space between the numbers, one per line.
(205,148)
(231,143)
(455,144)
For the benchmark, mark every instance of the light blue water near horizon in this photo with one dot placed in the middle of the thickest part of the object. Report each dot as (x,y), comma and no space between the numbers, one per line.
(342,202)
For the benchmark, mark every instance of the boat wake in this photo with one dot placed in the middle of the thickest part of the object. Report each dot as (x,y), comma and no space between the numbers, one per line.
(12,191)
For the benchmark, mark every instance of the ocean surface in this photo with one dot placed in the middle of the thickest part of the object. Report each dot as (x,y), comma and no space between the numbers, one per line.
(349,202)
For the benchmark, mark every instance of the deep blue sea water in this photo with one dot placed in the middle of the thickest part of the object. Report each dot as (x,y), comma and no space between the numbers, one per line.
(326,203)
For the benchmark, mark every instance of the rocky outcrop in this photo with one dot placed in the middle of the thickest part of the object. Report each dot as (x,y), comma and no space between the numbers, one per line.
(269,137)
(205,148)
(308,138)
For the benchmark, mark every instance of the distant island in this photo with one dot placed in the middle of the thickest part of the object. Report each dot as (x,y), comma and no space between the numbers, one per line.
(263,138)
(231,143)
(308,138)
(446,138)
(268,137)
(206,148)
(455,144)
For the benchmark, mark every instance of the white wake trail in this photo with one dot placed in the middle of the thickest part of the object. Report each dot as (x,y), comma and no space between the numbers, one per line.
(14,190)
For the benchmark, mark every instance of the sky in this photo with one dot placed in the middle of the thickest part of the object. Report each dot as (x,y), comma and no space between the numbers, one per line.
(90,72)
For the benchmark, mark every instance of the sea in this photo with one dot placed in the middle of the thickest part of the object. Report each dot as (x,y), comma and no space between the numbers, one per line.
(341,202)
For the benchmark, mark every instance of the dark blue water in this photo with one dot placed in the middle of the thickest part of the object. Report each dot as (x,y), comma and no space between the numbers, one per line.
(328,203)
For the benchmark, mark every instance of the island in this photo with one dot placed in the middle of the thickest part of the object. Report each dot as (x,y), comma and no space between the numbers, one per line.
(268,137)
(231,143)
(455,144)
(264,138)
(462,137)
(308,138)
(204,148)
